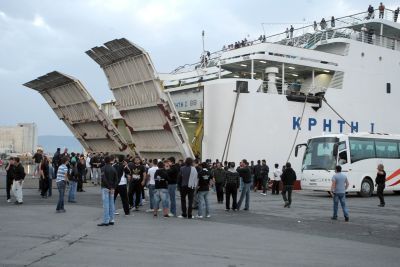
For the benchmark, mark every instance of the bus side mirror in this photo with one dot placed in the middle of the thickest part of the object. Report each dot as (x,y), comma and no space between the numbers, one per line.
(296,150)
(335,150)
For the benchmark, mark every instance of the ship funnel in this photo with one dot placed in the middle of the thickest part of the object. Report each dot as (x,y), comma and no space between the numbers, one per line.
(271,74)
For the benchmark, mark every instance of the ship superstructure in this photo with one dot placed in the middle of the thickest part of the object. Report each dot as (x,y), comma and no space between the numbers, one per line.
(256,100)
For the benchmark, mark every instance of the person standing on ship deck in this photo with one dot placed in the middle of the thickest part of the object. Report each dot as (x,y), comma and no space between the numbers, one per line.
(381,10)
(291,31)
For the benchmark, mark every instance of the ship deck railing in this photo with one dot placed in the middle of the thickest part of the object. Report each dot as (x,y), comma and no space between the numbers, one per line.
(305,36)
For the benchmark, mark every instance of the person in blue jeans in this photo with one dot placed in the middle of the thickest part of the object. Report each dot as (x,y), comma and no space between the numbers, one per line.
(245,173)
(173,172)
(61,180)
(161,190)
(108,184)
(203,189)
(151,183)
(73,182)
(339,187)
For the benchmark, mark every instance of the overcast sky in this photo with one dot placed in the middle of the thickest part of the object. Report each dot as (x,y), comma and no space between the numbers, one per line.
(39,36)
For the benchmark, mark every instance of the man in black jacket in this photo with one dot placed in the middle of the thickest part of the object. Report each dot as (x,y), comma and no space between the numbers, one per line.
(19,176)
(138,172)
(122,182)
(108,184)
(10,168)
(231,184)
(244,172)
(264,176)
(173,172)
(56,161)
(288,178)
(257,176)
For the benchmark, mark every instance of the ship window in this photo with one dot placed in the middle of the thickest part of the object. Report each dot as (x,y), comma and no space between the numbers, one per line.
(388,88)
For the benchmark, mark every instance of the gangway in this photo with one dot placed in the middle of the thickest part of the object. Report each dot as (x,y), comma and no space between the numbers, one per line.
(149,114)
(73,104)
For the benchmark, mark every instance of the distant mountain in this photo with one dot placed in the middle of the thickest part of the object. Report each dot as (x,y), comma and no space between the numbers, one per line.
(50,143)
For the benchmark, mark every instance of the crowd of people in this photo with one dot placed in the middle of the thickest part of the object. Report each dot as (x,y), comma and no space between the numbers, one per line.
(128,176)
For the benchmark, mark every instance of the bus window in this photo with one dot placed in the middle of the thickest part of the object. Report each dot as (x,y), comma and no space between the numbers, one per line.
(342,146)
(386,149)
(319,154)
(361,149)
(342,157)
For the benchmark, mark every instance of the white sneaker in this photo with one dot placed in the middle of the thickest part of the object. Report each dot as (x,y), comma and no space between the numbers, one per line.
(116,213)
(208,216)
(199,217)
(180,217)
(263,194)
(9,200)
(171,215)
(150,210)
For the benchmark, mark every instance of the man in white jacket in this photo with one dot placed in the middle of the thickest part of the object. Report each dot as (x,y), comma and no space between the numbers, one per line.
(276,179)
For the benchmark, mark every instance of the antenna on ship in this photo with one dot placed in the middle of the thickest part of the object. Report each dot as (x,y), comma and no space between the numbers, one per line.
(204,60)
(202,36)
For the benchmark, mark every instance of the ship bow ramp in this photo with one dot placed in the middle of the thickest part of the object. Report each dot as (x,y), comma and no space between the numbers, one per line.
(73,105)
(148,112)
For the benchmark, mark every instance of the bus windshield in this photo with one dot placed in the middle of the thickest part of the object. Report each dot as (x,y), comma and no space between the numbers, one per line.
(319,154)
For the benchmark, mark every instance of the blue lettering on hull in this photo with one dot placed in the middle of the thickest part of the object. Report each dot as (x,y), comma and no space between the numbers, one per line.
(327,125)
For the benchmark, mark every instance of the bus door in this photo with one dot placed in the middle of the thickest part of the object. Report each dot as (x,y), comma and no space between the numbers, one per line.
(342,156)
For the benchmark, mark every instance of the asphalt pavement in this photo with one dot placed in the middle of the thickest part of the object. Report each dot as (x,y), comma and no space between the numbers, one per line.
(33,234)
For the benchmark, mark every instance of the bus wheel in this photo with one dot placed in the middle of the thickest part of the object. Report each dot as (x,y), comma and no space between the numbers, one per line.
(367,188)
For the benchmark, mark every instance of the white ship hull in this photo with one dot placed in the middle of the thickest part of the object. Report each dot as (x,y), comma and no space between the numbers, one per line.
(266,124)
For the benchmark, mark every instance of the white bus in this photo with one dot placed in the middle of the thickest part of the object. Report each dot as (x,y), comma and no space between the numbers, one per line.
(359,155)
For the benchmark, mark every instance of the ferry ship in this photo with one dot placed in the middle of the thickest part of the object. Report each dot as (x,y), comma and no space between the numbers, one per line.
(253,100)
